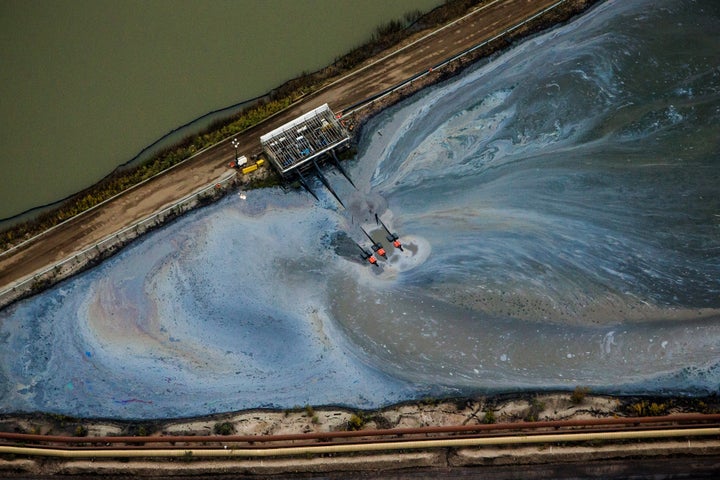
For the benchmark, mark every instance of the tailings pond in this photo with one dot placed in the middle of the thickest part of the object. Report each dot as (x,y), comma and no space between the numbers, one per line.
(560,213)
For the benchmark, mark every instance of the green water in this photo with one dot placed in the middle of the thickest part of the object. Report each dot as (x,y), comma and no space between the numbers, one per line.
(86,85)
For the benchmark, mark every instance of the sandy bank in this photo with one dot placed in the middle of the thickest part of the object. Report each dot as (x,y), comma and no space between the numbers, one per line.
(430,412)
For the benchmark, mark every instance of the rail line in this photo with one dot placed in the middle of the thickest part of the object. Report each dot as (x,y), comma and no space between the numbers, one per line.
(572,431)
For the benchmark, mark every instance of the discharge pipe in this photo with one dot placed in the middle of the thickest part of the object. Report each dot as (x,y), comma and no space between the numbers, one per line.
(369,447)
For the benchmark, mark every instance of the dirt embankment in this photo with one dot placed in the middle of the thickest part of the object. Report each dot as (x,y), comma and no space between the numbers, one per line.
(507,409)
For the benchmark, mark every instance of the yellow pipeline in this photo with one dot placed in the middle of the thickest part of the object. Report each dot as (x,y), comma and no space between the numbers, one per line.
(249,169)
(370,447)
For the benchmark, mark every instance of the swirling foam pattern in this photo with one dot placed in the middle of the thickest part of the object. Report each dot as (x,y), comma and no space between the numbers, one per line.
(560,212)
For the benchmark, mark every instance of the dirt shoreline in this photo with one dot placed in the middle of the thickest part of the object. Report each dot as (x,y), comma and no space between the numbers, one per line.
(510,408)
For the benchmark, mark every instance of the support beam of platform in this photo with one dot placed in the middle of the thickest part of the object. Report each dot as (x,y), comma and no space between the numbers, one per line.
(306,185)
(326,183)
(342,170)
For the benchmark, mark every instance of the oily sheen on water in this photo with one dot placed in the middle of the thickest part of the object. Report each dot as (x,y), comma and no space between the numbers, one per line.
(560,216)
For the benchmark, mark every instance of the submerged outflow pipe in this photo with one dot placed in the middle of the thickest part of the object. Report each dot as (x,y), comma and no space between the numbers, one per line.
(306,185)
(342,170)
(368,447)
(326,183)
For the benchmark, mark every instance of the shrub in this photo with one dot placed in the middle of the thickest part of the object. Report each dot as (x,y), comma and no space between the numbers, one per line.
(657,409)
(356,422)
(644,408)
(81,431)
(533,413)
(578,395)
(489,417)
(224,428)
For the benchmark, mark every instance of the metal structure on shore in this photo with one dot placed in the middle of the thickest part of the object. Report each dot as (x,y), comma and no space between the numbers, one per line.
(299,145)
(301,142)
